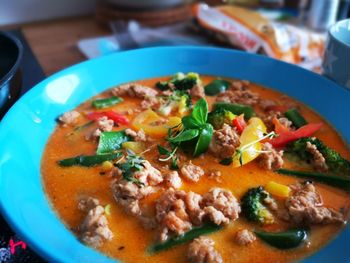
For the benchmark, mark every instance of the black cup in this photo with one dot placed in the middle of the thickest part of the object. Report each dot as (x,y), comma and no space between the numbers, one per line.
(11,51)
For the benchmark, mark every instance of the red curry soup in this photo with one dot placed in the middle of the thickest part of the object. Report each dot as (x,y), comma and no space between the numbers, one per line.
(195,168)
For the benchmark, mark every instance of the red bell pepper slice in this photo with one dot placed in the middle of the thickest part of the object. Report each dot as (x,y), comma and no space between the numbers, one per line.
(239,123)
(289,136)
(112,115)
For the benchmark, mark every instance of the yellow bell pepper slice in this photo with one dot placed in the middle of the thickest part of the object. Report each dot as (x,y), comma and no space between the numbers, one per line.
(136,147)
(154,125)
(277,189)
(249,151)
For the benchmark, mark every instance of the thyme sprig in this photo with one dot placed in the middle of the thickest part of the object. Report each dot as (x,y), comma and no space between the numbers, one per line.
(169,155)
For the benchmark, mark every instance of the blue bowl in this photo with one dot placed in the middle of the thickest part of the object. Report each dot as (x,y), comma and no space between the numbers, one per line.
(26,128)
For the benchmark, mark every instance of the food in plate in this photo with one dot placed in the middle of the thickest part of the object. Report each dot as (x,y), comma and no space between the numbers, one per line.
(199,169)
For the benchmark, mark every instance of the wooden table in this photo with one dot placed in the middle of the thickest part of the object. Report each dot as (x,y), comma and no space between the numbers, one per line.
(54,43)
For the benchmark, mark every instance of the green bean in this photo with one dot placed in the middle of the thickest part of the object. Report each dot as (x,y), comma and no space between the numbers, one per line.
(88,160)
(295,117)
(334,180)
(107,102)
(188,236)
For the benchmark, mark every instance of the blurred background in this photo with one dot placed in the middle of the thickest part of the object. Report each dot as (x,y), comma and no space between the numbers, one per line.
(41,37)
(64,32)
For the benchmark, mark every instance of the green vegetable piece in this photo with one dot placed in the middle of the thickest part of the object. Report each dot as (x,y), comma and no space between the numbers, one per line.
(253,208)
(295,117)
(216,86)
(186,135)
(237,109)
(107,102)
(111,141)
(204,139)
(218,117)
(339,181)
(226,161)
(190,123)
(169,103)
(283,240)
(88,160)
(188,236)
(200,111)
(335,162)
(180,81)
(132,164)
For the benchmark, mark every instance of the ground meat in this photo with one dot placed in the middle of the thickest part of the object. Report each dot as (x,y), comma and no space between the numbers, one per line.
(177,211)
(305,206)
(197,91)
(139,136)
(216,216)
(193,204)
(192,172)
(134,90)
(318,161)
(202,250)
(171,214)
(88,203)
(128,196)
(94,229)
(239,93)
(149,175)
(270,159)
(69,118)
(149,103)
(270,203)
(224,142)
(104,125)
(244,237)
(174,222)
(268,116)
(172,179)
(286,123)
(267,105)
(223,201)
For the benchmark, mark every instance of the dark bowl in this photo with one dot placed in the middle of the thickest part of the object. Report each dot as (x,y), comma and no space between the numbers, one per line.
(11,51)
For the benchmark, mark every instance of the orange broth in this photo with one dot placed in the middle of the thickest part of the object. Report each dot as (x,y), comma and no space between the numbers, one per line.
(65,186)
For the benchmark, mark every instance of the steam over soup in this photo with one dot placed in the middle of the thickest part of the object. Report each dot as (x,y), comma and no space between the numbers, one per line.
(198,169)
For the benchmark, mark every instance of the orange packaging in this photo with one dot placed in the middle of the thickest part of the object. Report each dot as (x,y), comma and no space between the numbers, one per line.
(250,31)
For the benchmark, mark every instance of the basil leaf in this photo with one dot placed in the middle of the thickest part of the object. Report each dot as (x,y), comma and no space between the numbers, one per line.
(190,123)
(204,139)
(200,111)
(111,141)
(215,87)
(186,135)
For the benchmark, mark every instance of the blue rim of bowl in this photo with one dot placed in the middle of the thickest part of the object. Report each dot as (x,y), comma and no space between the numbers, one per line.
(331,30)
(36,245)
(17,63)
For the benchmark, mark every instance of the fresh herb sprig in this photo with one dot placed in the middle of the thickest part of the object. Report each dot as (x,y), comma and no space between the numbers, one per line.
(195,131)
(169,156)
(132,164)
(247,147)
